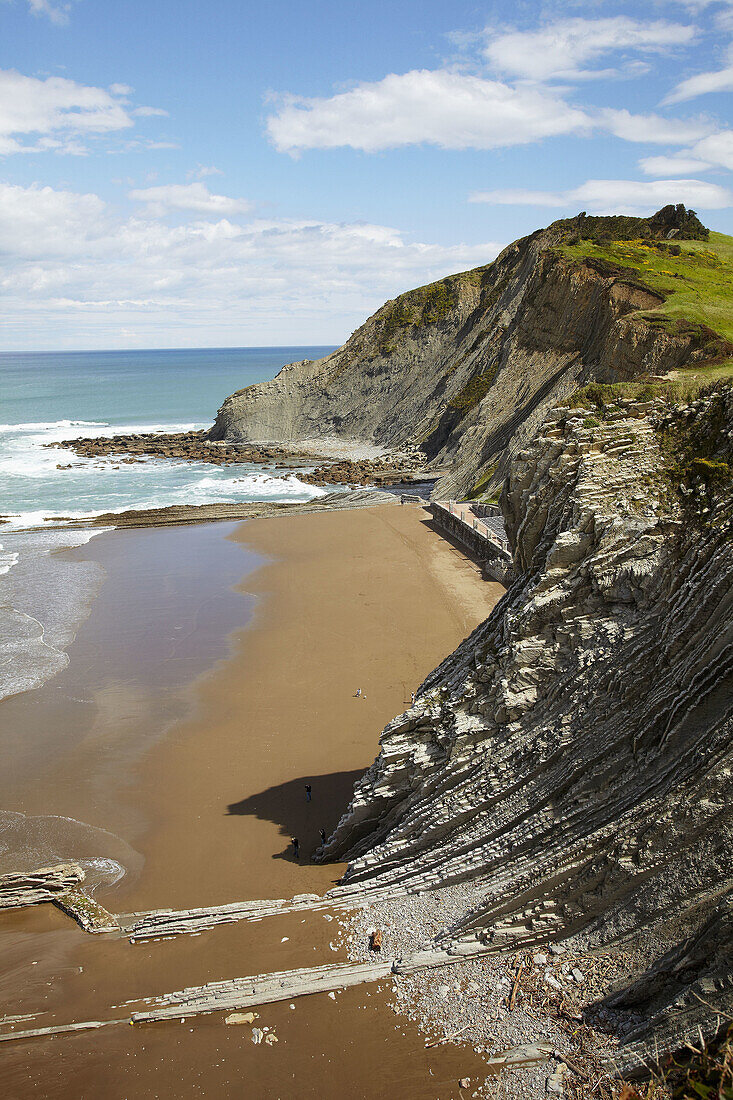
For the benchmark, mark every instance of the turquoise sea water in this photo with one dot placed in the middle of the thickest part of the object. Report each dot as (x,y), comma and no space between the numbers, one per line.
(44,398)
(50,397)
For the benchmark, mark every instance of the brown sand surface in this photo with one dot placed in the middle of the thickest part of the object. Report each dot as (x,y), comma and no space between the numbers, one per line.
(370,599)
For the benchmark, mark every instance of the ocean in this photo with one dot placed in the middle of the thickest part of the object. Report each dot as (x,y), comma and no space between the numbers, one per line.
(48,397)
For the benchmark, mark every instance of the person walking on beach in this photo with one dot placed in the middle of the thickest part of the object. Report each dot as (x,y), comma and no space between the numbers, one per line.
(412,697)
(296,846)
(357,693)
(307,792)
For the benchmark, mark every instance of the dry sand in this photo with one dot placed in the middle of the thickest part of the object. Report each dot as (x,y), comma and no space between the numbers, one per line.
(369,599)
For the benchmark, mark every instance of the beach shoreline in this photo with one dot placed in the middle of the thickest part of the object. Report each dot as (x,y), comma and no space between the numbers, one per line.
(180,514)
(371,598)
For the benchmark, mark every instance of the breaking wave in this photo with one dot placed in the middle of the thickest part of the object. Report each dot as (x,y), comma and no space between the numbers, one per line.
(28,842)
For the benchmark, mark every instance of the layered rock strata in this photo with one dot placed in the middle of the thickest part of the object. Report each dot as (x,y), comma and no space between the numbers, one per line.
(466,368)
(575,753)
(19,888)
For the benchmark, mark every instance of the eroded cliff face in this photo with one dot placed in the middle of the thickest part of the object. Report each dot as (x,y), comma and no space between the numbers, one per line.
(467,367)
(575,753)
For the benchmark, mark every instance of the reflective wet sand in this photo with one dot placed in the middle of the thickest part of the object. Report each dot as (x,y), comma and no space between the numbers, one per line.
(205,783)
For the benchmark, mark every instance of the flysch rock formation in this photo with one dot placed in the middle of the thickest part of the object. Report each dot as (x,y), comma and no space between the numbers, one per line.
(19,888)
(466,367)
(575,753)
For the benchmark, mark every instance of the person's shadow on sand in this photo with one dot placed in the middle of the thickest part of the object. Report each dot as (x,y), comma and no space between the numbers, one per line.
(287,807)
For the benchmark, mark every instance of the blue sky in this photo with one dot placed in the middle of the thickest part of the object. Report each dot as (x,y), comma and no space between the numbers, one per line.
(229,173)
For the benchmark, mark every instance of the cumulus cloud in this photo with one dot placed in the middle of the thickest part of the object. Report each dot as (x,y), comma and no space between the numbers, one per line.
(618,196)
(449,109)
(41,222)
(54,113)
(189,196)
(78,273)
(563,49)
(456,111)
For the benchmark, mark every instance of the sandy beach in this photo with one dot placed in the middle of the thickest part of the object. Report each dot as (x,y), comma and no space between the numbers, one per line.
(369,599)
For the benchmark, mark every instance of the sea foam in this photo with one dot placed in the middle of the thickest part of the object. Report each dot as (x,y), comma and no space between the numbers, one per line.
(43,600)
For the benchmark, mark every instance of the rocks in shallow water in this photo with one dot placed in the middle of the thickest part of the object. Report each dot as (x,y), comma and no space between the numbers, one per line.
(398,468)
(21,888)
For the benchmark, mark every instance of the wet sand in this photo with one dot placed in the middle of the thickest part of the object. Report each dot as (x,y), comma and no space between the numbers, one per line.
(371,599)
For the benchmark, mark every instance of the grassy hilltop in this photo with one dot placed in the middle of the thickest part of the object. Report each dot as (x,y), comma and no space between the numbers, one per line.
(695,278)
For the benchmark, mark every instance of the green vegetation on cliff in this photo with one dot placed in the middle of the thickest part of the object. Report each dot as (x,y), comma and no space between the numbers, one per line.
(427,305)
(474,391)
(694,278)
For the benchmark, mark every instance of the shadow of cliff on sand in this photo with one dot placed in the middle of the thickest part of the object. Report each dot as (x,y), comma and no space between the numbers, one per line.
(287,807)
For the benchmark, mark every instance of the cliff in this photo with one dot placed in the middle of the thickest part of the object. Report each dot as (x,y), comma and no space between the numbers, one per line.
(574,756)
(466,367)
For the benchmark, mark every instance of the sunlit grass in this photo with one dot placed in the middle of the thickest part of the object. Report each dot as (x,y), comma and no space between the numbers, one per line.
(697,283)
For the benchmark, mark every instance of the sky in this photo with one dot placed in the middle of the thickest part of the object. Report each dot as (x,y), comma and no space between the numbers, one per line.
(180,173)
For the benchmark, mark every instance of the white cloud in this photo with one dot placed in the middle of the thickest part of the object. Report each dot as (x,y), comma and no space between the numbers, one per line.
(452,110)
(618,196)
(137,145)
(76,275)
(679,164)
(189,196)
(720,80)
(563,49)
(57,13)
(201,171)
(43,222)
(717,148)
(651,128)
(55,112)
(149,112)
(702,84)
(712,151)
(456,111)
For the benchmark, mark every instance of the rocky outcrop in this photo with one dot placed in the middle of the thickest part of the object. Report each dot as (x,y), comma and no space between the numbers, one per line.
(575,754)
(21,888)
(466,368)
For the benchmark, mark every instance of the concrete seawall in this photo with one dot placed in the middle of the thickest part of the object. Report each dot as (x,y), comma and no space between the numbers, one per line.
(486,541)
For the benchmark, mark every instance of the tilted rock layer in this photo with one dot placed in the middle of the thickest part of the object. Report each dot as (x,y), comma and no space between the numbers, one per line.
(576,751)
(19,888)
(466,368)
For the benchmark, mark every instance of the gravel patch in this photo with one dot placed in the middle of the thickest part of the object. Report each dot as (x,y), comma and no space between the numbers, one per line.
(501,1004)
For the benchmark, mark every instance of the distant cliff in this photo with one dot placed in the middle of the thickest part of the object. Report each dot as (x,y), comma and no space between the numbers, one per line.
(466,367)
